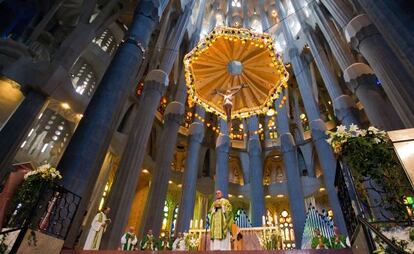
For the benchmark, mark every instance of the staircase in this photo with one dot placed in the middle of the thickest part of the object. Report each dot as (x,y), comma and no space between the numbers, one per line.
(341,251)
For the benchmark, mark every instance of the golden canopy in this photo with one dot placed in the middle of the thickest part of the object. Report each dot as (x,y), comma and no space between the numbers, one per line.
(229,58)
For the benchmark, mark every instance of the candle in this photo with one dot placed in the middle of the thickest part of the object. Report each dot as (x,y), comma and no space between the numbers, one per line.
(191,224)
(263,220)
(196,224)
(201,223)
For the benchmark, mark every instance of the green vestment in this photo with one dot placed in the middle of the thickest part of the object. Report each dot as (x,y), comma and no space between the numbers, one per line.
(221,219)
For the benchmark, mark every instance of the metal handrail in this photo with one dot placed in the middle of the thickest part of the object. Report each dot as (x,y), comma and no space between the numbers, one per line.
(394,247)
(10,230)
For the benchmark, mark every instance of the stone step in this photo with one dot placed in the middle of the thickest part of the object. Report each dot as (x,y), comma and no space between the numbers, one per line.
(339,251)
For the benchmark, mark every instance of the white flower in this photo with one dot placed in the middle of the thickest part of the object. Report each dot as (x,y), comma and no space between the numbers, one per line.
(361,133)
(373,129)
(377,140)
(341,129)
(329,140)
(353,128)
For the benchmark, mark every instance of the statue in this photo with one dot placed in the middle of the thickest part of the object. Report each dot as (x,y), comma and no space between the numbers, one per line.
(228,100)
(221,220)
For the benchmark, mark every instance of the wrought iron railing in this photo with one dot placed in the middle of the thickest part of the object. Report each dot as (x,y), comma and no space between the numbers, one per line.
(357,216)
(52,215)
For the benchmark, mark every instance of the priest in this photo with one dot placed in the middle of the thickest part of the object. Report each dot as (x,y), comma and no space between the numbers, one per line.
(221,220)
(98,227)
(129,240)
(179,243)
(149,242)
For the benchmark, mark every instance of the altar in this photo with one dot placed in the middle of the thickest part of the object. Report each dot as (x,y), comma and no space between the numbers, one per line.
(250,238)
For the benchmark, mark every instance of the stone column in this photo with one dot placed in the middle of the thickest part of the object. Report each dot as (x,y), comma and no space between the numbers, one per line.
(15,130)
(229,14)
(172,119)
(263,15)
(127,177)
(186,209)
(223,145)
(318,128)
(365,38)
(173,116)
(294,182)
(344,106)
(125,183)
(359,76)
(254,149)
(85,153)
(393,19)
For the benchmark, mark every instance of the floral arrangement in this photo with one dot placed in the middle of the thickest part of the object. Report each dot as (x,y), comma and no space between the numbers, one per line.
(45,172)
(342,136)
(269,239)
(371,158)
(192,241)
(28,194)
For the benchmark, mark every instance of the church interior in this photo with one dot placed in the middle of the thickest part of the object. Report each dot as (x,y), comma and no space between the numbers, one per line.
(133,114)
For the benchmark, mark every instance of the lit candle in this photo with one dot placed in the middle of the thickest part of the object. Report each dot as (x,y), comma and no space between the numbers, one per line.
(191,224)
(201,223)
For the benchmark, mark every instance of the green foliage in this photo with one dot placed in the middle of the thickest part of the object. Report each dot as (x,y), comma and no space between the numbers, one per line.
(371,158)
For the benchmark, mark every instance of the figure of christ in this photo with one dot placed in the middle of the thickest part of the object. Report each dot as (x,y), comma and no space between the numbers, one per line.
(221,220)
(228,100)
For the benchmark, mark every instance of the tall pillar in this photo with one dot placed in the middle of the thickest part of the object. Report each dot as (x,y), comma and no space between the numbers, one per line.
(365,38)
(359,77)
(172,119)
(85,153)
(15,130)
(394,20)
(127,177)
(397,83)
(263,15)
(344,106)
(318,128)
(43,81)
(254,149)
(186,209)
(294,182)
(130,166)
(223,144)
(173,116)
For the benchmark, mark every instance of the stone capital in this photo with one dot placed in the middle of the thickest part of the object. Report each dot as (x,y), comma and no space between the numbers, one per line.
(358,29)
(196,132)
(223,143)
(356,70)
(174,112)
(343,102)
(355,25)
(156,81)
(345,108)
(287,142)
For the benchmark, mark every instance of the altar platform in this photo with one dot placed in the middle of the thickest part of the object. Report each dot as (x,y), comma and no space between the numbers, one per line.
(339,251)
